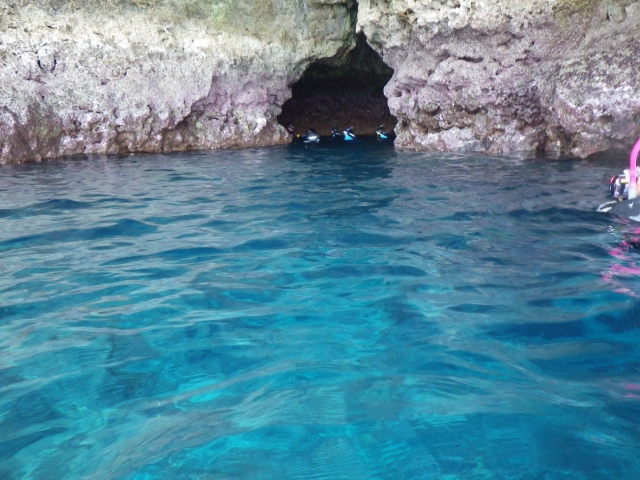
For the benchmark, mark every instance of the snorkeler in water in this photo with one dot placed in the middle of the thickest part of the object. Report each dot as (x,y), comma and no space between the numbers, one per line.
(311,136)
(349,135)
(290,128)
(381,134)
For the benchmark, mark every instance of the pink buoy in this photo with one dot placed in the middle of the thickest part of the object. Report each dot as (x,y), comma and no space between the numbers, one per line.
(633,160)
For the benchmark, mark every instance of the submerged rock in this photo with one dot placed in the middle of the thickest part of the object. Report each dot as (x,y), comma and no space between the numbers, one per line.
(507,75)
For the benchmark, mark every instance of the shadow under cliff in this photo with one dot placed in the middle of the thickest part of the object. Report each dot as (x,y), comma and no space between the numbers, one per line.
(346,92)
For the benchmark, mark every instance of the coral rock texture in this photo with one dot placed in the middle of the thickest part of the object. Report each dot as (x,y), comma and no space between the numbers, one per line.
(118,76)
(507,75)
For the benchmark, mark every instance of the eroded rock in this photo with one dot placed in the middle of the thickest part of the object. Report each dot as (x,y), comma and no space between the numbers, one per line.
(507,75)
(155,75)
(499,76)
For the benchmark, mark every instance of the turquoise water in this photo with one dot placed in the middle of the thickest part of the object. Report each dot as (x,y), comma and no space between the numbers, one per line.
(335,311)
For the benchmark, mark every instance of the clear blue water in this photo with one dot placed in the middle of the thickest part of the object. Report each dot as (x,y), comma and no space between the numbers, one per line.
(336,311)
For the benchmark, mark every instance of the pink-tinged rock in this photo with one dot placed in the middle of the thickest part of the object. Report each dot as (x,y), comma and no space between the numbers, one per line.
(163,75)
(508,75)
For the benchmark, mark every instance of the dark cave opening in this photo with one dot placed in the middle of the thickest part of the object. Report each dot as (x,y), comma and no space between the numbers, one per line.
(345,93)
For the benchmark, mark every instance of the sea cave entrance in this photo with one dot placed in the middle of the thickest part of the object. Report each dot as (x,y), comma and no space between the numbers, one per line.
(344,93)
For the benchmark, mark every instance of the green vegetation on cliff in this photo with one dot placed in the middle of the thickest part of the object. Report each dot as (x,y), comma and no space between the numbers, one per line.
(285,22)
(565,8)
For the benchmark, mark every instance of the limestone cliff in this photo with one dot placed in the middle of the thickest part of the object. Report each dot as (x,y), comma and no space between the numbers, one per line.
(116,76)
(505,75)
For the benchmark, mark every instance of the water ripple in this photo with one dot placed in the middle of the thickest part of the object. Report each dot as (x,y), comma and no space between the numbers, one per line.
(321,313)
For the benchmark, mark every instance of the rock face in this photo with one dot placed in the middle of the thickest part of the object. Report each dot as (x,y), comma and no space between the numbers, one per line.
(115,76)
(507,75)
(119,76)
